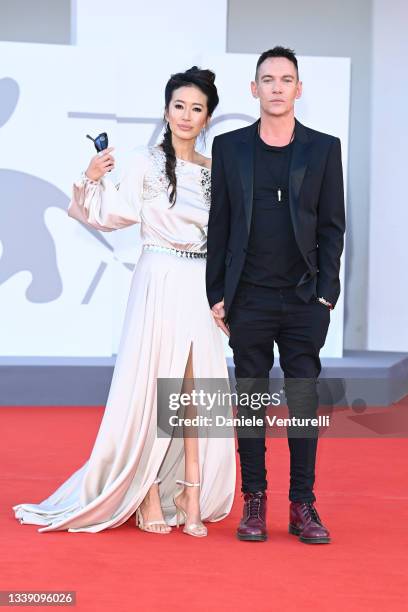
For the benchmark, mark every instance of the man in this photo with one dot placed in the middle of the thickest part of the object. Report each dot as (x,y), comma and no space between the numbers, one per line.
(275,238)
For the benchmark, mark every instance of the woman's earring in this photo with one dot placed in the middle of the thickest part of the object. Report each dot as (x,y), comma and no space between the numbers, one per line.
(203,135)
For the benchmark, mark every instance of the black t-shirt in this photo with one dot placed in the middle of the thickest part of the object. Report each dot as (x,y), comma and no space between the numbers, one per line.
(273,258)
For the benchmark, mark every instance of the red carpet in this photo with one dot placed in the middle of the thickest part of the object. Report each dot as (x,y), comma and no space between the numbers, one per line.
(362,496)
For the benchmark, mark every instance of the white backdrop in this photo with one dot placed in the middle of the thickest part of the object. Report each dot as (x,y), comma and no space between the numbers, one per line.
(388,260)
(61,282)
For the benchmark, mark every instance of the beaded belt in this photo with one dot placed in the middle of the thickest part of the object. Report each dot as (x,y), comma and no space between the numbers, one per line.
(171,251)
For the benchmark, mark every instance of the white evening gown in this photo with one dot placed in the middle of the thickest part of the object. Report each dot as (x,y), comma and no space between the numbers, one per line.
(167,312)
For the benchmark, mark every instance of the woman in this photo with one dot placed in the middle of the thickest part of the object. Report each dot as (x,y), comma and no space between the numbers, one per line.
(168,333)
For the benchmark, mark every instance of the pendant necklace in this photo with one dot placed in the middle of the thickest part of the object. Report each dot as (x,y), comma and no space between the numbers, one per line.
(279,190)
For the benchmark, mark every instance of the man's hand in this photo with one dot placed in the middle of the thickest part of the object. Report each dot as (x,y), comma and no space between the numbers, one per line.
(219,314)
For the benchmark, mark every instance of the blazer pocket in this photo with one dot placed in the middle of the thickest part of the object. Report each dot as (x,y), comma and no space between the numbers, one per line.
(228,259)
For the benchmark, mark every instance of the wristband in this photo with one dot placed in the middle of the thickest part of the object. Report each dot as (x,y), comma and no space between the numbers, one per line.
(325,303)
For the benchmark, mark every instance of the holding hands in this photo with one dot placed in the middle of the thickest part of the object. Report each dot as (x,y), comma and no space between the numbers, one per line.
(219,314)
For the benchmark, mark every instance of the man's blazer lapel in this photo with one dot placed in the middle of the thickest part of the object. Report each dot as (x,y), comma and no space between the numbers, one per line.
(298,166)
(246,162)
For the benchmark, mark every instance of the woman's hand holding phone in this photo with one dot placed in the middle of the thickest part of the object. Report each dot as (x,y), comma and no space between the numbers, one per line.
(100,164)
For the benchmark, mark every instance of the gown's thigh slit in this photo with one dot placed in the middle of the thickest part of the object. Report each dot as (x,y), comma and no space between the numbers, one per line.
(190,432)
(187,387)
(180,433)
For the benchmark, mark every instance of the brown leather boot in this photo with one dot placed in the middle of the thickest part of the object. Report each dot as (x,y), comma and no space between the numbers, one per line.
(305,522)
(252,527)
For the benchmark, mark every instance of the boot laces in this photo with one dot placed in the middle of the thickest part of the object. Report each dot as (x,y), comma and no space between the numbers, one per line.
(254,506)
(310,510)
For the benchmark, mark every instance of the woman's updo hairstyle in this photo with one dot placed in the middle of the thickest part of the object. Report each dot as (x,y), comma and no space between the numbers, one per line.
(193,77)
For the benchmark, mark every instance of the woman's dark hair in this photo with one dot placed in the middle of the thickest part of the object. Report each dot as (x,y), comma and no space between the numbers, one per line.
(193,77)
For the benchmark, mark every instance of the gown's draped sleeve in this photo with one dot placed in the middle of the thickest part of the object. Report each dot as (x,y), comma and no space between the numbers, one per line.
(107,206)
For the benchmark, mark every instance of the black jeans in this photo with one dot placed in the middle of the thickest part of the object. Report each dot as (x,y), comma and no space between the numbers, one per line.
(260,316)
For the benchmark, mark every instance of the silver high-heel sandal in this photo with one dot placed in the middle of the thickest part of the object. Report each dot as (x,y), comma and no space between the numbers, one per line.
(144,525)
(197,530)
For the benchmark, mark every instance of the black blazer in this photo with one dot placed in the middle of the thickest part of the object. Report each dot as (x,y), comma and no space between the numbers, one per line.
(316,201)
